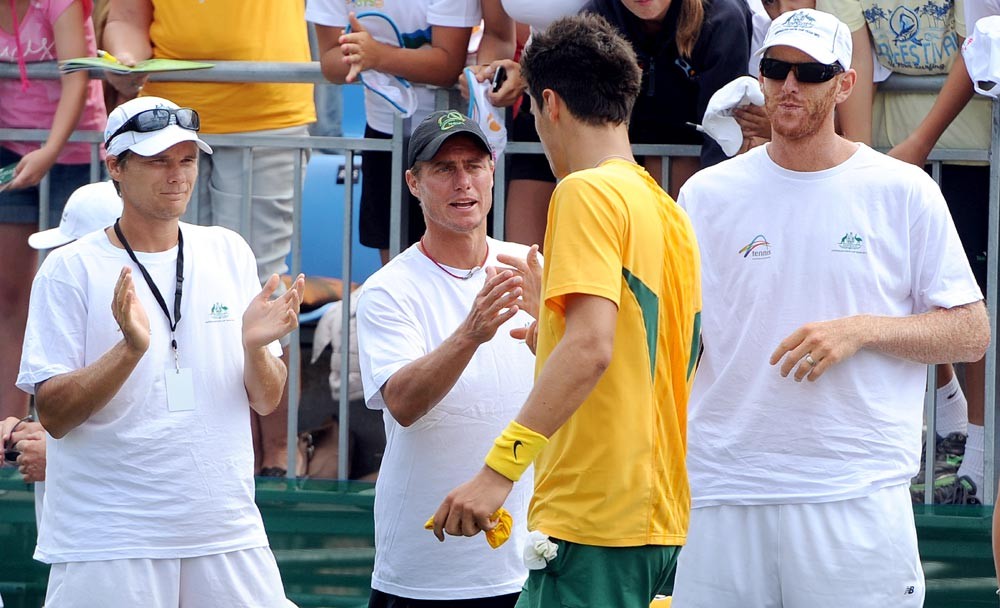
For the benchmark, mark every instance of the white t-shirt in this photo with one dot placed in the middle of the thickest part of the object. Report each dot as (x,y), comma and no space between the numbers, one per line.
(780,249)
(539,15)
(136,480)
(414,18)
(407,309)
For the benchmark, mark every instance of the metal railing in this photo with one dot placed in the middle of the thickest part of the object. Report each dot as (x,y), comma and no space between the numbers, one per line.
(309,72)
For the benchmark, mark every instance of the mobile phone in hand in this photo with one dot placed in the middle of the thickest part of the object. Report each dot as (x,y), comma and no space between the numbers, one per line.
(6,176)
(499,77)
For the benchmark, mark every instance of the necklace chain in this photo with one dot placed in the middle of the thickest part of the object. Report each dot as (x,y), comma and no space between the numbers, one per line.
(611,156)
(468,275)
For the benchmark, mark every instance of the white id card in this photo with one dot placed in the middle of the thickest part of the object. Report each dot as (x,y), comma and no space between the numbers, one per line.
(180,389)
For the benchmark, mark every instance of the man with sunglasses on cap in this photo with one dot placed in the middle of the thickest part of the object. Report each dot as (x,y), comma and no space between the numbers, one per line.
(147,346)
(438,358)
(832,275)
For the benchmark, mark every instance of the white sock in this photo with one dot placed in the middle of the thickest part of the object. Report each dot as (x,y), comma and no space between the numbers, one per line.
(952,409)
(972,462)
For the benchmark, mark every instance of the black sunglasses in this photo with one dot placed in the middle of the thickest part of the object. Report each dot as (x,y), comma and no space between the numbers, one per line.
(776,69)
(158,118)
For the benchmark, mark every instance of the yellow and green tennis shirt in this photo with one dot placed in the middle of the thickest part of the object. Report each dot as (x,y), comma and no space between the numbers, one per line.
(614,473)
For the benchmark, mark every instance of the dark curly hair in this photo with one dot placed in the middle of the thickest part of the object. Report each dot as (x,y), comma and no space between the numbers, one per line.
(592,68)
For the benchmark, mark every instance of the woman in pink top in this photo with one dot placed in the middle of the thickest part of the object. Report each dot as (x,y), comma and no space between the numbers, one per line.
(47,30)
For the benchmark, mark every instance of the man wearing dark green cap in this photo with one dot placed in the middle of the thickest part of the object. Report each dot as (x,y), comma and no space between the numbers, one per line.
(438,358)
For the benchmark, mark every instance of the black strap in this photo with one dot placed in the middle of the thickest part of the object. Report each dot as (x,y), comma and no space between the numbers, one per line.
(152,286)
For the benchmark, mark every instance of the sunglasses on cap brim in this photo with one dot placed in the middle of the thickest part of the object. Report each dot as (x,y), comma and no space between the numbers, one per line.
(156,119)
(812,72)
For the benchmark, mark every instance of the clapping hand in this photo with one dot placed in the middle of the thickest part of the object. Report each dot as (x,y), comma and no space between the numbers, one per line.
(266,320)
(495,304)
(129,313)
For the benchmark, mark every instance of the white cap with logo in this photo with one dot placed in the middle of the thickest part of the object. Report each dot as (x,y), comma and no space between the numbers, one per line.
(981,52)
(817,34)
(152,142)
(91,207)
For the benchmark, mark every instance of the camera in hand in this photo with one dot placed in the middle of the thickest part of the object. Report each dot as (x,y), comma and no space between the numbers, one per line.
(10,455)
(499,77)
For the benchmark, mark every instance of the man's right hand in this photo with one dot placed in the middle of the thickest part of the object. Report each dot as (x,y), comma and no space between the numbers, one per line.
(495,304)
(28,438)
(129,313)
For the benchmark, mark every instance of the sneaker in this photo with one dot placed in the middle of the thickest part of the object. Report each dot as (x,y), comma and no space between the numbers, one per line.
(948,454)
(950,490)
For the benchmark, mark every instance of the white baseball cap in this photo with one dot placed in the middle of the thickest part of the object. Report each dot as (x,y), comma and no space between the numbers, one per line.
(817,34)
(981,52)
(91,207)
(152,142)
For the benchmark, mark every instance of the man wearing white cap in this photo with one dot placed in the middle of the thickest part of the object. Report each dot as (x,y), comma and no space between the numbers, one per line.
(845,270)
(91,207)
(148,344)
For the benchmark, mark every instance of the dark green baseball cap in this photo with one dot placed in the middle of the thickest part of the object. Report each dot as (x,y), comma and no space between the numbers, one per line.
(436,129)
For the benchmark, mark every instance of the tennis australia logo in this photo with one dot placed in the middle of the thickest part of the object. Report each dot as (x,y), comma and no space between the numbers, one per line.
(851,242)
(757,249)
(451,120)
(219,313)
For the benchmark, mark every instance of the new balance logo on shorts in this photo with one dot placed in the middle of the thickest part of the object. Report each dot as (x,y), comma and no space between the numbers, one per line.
(910,590)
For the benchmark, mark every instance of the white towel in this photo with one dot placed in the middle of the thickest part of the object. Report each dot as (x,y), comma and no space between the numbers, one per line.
(719,123)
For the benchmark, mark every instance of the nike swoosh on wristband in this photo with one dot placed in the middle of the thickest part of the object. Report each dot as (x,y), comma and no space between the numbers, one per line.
(517,443)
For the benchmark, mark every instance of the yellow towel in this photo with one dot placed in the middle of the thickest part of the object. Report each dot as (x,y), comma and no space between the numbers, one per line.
(495,537)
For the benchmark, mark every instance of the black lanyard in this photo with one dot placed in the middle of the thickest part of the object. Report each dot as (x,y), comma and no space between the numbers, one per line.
(153,288)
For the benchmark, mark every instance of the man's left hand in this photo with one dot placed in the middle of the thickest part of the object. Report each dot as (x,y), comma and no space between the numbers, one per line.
(530,269)
(467,510)
(267,320)
(816,347)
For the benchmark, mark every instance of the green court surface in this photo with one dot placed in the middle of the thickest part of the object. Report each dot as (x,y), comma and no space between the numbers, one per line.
(322,536)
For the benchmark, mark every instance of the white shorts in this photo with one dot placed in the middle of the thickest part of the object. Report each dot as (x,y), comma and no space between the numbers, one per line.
(239,579)
(859,553)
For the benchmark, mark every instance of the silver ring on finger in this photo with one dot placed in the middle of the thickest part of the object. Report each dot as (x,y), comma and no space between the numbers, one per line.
(810,360)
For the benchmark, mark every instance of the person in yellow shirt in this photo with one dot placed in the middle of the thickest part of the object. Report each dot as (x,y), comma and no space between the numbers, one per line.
(617,341)
(232,30)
